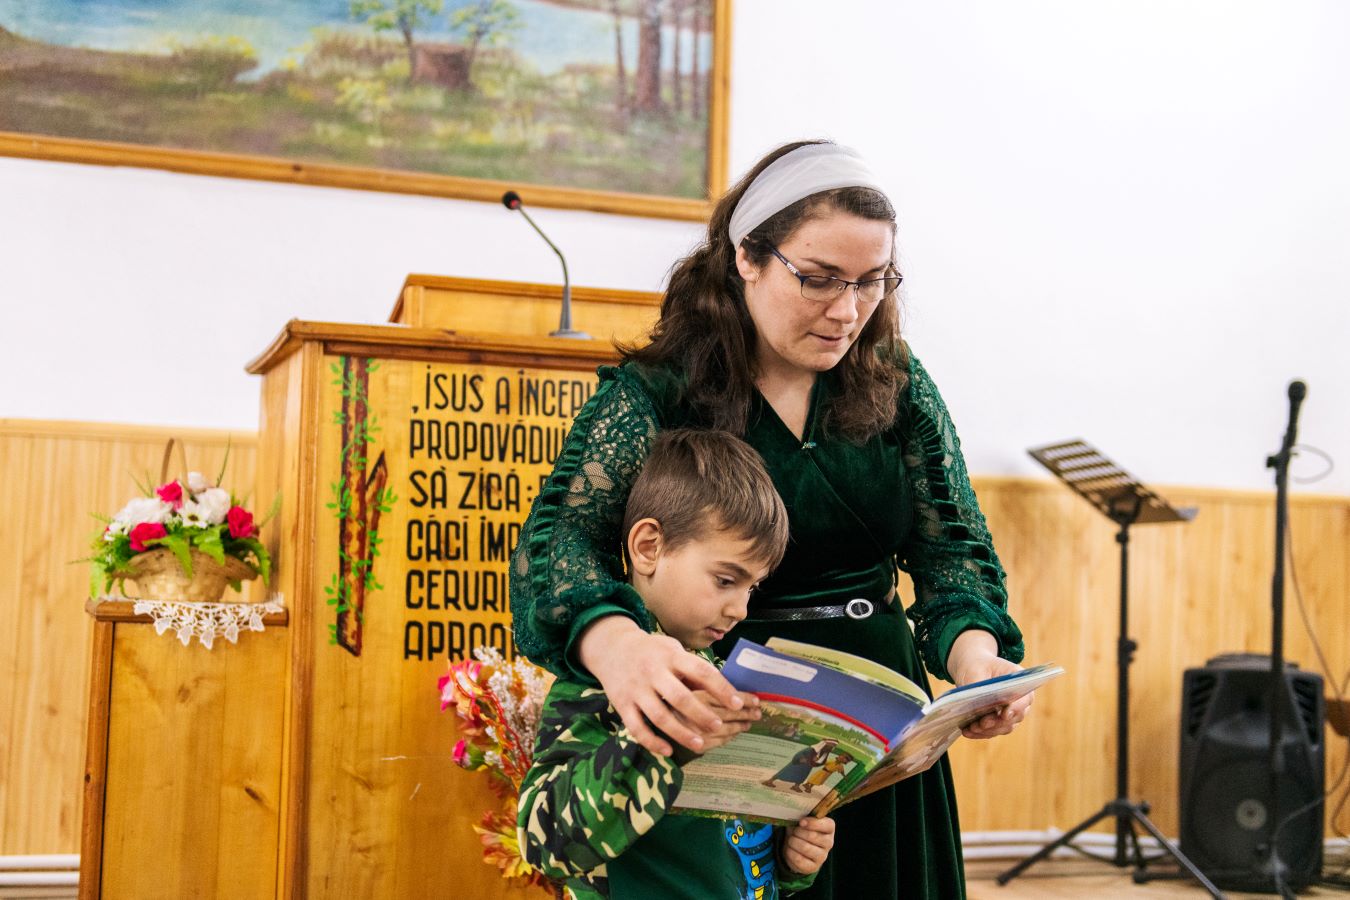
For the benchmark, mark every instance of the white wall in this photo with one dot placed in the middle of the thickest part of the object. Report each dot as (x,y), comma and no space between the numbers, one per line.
(1125,221)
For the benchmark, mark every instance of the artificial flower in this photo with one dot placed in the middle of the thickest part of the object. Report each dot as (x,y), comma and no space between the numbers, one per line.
(171,493)
(143,509)
(498,707)
(241,522)
(146,531)
(214,503)
(501,846)
(188,523)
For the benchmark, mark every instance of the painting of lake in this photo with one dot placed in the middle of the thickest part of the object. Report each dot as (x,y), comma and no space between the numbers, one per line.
(607,95)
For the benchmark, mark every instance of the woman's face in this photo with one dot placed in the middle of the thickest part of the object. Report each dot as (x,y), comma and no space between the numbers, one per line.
(796,335)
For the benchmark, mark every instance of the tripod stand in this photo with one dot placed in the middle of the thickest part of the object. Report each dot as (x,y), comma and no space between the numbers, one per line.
(1125,501)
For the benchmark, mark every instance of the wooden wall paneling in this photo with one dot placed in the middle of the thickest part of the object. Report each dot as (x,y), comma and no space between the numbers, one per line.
(57,474)
(1196,590)
(14,463)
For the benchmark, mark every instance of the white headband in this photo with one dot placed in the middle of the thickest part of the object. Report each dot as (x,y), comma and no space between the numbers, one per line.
(805,171)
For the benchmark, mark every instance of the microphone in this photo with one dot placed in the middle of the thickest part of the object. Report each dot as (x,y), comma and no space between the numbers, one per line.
(511,200)
(1297,391)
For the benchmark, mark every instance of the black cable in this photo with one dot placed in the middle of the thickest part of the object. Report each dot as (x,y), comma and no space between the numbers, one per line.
(1338,687)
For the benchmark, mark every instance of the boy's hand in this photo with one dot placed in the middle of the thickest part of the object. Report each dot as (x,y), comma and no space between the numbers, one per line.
(734,721)
(807,843)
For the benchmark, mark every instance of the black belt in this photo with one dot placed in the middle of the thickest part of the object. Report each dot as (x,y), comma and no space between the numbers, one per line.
(857,608)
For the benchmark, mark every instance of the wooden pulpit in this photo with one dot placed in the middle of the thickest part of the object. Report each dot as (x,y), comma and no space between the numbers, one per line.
(311,759)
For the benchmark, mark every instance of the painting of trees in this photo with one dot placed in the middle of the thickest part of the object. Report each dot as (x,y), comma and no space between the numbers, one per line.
(403,16)
(603,104)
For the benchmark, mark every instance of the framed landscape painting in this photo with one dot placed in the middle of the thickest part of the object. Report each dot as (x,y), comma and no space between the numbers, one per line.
(609,105)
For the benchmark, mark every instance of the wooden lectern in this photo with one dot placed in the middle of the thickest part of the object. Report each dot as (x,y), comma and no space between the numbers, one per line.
(311,760)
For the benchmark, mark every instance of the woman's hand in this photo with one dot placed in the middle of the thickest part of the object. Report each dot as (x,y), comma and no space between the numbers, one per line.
(974,657)
(734,721)
(651,682)
(807,843)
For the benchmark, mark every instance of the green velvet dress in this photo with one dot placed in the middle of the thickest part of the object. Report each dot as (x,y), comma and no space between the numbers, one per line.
(858,514)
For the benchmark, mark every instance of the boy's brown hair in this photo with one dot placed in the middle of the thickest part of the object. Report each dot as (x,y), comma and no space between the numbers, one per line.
(696,481)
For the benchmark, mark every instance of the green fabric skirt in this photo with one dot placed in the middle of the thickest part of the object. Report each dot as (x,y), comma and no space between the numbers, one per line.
(902,842)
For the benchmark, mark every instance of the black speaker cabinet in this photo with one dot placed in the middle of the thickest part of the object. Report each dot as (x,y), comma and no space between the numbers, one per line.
(1226,807)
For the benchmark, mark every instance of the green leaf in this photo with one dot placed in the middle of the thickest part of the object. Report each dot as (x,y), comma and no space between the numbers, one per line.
(271,511)
(179,547)
(208,541)
(223,463)
(146,489)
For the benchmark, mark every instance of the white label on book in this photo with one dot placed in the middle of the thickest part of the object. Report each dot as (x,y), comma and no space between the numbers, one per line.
(759,662)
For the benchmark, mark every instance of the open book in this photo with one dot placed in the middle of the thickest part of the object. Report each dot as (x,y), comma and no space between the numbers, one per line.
(834,727)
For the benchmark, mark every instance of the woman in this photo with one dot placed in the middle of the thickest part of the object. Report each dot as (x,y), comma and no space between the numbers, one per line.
(782,327)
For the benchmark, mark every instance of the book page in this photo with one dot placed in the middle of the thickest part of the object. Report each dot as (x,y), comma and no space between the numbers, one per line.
(925,740)
(782,768)
(968,702)
(849,664)
(820,731)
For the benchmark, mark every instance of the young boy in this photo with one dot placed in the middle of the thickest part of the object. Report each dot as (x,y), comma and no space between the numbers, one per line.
(703,526)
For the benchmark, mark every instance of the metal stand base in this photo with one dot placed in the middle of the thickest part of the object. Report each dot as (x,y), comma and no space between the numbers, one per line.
(1127,814)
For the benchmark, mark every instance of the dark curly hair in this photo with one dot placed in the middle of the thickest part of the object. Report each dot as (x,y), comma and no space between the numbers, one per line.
(705,330)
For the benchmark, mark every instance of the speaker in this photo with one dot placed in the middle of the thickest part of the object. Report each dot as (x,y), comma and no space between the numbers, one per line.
(1226,806)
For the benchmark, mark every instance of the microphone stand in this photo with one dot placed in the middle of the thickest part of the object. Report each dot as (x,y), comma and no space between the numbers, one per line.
(1280,463)
(511,200)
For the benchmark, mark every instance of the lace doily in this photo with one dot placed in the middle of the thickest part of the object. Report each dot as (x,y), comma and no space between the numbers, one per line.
(207,621)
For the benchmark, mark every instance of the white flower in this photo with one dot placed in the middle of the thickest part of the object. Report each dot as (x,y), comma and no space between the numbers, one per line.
(143,509)
(194,514)
(212,504)
(197,482)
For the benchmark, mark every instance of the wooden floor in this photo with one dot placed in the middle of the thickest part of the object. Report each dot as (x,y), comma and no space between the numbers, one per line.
(1080,878)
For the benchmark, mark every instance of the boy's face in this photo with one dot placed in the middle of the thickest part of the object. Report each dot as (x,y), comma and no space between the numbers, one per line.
(699,590)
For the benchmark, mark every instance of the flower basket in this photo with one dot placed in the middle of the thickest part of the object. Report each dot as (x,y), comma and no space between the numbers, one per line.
(185,541)
(159,576)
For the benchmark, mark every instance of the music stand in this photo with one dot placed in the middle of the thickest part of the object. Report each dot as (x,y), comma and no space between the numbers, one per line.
(1121,498)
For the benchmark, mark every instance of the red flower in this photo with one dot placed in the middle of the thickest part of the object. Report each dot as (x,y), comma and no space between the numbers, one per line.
(146,531)
(172,494)
(461,752)
(241,523)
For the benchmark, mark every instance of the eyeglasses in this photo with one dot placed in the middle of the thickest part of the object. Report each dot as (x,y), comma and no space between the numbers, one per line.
(825,288)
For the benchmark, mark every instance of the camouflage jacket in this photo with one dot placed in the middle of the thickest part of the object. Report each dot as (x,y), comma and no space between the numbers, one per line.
(593,811)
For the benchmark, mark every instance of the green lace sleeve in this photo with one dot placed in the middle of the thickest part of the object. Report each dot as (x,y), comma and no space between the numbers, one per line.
(567,569)
(958,580)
